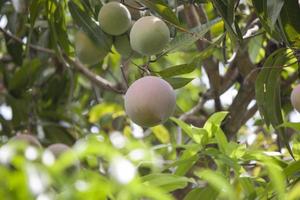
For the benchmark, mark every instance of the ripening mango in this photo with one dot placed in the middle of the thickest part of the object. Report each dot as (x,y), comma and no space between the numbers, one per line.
(58,149)
(150,101)
(114,18)
(86,50)
(29,139)
(149,35)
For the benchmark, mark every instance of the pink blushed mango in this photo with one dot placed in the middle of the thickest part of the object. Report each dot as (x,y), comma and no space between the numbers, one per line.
(150,101)
(58,149)
(29,139)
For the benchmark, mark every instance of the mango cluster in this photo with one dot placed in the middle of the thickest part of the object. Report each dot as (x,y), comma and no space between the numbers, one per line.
(150,100)
(147,36)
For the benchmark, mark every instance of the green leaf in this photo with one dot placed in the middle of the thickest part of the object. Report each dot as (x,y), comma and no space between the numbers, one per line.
(207,193)
(217,118)
(294,192)
(189,38)
(161,133)
(274,7)
(178,82)
(293,125)
(1,4)
(177,70)
(255,50)
(248,187)
(199,135)
(292,169)
(15,49)
(226,10)
(167,182)
(20,110)
(161,8)
(268,16)
(213,128)
(35,8)
(277,178)
(221,139)
(267,91)
(24,76)
(290,15)
(50,92)
(60,28)
(214,122)
(98,111)
(218,182)
(188,158)
(89,26)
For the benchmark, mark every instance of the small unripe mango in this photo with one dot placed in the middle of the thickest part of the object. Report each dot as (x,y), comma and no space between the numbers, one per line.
(114,18)
(86,50)
(58,149)
(150,101)
(29,139)
(122,45)
(295,98)
(149,35)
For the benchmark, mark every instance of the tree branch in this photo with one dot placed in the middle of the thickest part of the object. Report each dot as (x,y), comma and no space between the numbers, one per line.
(38,48)
(245,94)
(98,80)
(194,17)
(249,113)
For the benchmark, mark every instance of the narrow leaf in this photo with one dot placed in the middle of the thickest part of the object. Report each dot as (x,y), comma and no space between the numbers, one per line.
(267,91)
(186,39)
(168,182)
(218,182)
(98,111)
(290,16)
(161,8)
(177,70)
(207,193)
(161,133)
(199,135)
(178,82)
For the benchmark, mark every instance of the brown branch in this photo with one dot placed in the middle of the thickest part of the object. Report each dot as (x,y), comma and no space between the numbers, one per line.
(38,48)
(227,81)
(98,80)
(134,7)
(195,16)
(123,67)
(237,110)
(245,94)
(6,59)
(194,110)
(249,113)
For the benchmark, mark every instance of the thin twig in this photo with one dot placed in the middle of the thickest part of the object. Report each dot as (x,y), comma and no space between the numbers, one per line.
(103,83)
(195,109)
(124,75)
(38,48)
